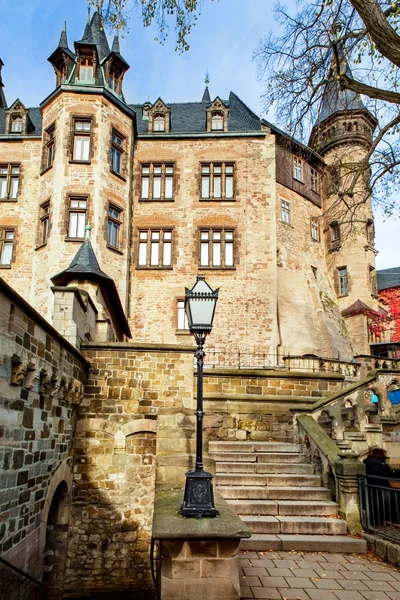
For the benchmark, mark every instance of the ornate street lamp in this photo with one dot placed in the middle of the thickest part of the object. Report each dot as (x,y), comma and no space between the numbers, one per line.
(200,303)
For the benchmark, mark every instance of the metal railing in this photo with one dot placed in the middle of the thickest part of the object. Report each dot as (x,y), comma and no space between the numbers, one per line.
(380,506)
(15,583)
(321,364)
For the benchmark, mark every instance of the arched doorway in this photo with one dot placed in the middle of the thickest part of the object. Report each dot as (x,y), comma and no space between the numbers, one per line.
(56,542)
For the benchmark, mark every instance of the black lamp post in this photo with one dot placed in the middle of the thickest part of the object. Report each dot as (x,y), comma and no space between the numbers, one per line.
(200,303)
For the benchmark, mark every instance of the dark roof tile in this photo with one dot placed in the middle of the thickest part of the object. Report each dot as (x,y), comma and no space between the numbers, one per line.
(388,278)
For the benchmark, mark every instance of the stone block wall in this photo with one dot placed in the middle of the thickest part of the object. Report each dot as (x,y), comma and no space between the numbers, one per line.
(41,382)
(115,462)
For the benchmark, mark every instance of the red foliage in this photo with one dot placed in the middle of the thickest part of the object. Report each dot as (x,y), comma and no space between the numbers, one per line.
(391,297)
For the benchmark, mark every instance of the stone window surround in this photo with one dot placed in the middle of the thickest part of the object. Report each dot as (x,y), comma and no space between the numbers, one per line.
(150,176)
(49,144)
(217,106)
(159,108)
(10,166)
(3,232)
(223,165)
(44,215)
(149,230)
(121,149)
(18,109)
(334,235)
(342,281)
(74,132)
(68,210)
(114,206)
(222,243)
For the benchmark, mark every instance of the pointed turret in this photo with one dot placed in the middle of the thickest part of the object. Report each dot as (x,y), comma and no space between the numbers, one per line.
(63,43)
(206,96)
(87,38)
(62,58)
(3,103)
(115,44)
(99,36)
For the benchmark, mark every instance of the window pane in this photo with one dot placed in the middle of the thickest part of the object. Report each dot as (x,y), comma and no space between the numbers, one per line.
(169,187)
(205,187)
(3,187)
(158,170)
(182,320)
(142,254)
(115,160)
(81,147)
(157,187)
(145,187)
(81,225)
(229,254)
(229,187)
(155,235)
(169,170)
(217,187)
(73,220)
(154,254)
(229,169)
(145,170)
(205,169)
(6,253)
(204,255)
(112,234)
(216,235)
(14,187)
(229,235)
(167,235)
(143,235)
(14,171)
(167,253)
(216,254)
(217,169)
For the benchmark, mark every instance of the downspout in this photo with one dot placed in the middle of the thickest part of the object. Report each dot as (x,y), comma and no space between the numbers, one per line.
(130,224)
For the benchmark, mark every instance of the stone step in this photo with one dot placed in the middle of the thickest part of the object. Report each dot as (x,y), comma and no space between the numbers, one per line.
(283,468)
(258,492)
(284,507)
(279,480)
(304,543)
(253,447)
(265,457)
(295,525)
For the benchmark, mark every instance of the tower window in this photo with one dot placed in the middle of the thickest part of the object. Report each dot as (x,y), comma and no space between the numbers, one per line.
(113,81)
(285,211)
(113,226)
(370,231)
(217,121)
(334,231)
(159,122)
(44,223)
(343,281)
(217,248)
(6,247)
(297,168)
(372,280)
(86,70)
(49,147)
(9,181)
(81,143)
(16,124)
(315,229)
(77,218)
(117,150)
(314,180)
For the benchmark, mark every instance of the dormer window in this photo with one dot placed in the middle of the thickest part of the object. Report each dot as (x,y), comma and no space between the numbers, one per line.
(86,69)
(217,121)
(159,122)
(16,124)
(62,77)
(113,81)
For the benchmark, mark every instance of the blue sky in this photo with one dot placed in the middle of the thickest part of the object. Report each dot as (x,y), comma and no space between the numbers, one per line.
(223,42)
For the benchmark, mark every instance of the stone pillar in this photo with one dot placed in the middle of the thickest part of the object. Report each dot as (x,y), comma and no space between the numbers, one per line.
(347,470)
(198,557)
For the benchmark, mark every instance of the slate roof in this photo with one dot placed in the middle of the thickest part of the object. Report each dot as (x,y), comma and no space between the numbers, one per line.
(85,265)
(336,100)
(34,116)
(190,117)
(388,278)
(357,307)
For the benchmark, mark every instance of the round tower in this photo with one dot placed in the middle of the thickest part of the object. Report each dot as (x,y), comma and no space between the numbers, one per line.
(343,137)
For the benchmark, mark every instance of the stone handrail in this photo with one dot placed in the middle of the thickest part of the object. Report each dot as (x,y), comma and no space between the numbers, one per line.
(319,438)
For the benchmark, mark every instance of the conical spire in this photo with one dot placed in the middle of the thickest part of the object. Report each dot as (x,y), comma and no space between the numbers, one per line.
(206,96)
(99,35)
(115,46)
(3,103)
(83,263)
(63,43)
(335,99)
(87,36)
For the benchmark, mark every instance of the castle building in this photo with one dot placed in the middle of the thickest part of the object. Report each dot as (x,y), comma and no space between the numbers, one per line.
(172,189)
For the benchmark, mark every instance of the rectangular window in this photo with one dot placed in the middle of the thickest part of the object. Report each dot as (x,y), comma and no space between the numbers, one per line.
(217,248)
(44,223)
(315,229)
(81,142)
(155,248)
(370,231)
(372,281)
(297,168)
(113,81)
(315,180)
(117,149)
(9,181)
(217,181)
(6,246)
(113,226)
(343,281)
(77,217)
(285,211)
(86,70)
(182,318)
(157,182)
(49,147)
(334,230)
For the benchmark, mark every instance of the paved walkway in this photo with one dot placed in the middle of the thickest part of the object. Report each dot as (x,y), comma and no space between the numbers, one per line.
(317,576)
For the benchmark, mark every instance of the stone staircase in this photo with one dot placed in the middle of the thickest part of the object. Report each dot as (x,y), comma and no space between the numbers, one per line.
(273,488)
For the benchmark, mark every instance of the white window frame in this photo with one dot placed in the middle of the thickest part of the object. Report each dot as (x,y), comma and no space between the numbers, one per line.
(217,248)
(286,215)
(298,168)
(155,248)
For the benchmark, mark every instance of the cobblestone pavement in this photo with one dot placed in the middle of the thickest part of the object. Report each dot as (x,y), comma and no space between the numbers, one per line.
(317,576)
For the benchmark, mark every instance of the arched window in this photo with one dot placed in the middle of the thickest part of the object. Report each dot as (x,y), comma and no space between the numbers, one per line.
(217,121)
(159,122)
(16,124)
